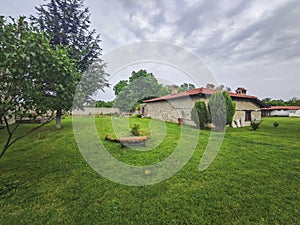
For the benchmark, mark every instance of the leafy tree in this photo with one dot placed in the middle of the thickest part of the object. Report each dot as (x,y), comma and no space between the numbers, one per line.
(186,87)
(26,57)
(139,75)
(103,104)
(166,90)
(200,114)
(273,102)
(293,102)
(142,85)
(119,86)
(221,109)
(280,102)
(67,23)
(217,110)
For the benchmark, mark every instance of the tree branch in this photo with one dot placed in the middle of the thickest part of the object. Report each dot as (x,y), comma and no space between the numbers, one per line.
(10,142)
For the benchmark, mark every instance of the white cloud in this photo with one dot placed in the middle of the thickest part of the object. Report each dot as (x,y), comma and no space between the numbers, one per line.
(234,37)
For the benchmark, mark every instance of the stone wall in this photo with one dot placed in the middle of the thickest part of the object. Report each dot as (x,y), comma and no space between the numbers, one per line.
(243,105)
(88,111)
(173,109)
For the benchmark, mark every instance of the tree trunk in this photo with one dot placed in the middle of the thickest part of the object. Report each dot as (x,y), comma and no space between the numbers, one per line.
(58,119)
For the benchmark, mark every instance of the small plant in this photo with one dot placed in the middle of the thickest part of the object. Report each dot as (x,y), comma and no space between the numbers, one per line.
(255,124)
(137,116)
(275,124)
(135,129)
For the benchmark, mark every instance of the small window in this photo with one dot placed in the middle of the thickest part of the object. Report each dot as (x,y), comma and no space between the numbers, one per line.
(248,116)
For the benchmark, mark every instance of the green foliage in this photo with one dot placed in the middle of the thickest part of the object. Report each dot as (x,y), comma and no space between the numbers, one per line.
(67,23)
(255,124)
(104,104)
(200,114)
(230,108)
(217,110)
(275,124)
(26,61)
(293,102)
(135,129)
(142,85)
(186,87)
(280,102)
(119,86)
(221,110)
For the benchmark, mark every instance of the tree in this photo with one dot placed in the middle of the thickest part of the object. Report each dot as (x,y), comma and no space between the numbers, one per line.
(67,23)
(221,109)
(274,102)
(119,86)
(141,86)
(186,87)
(200,114)
(280,102)
(26,57)
(293,102)
(217,110)
(103,104)
(230,108)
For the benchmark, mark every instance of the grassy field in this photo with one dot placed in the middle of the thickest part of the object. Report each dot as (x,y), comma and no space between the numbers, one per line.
(255,179)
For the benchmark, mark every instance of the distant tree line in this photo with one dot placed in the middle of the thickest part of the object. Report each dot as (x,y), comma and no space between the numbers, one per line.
(280,102)
(104,104)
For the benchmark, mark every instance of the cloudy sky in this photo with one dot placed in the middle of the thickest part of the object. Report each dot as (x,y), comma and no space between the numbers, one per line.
(254,44)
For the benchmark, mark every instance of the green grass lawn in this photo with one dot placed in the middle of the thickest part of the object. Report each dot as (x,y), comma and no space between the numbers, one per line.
(253,180)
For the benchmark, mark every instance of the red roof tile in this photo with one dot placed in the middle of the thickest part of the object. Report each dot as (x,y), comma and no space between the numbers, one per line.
(282,108)
(197,91)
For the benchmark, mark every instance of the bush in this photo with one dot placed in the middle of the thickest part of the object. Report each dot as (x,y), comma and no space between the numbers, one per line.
(137,116)
(200,114)
(135,129)
(255,124)
(230,108)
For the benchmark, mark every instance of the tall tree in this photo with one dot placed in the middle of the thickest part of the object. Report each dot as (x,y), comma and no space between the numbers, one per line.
(141,86)
(26,58)
(67,22)
(221,110)
(200,114)
(230,108)
(217,110)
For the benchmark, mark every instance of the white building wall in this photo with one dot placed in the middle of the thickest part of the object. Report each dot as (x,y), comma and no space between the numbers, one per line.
(279,112)
(294,113)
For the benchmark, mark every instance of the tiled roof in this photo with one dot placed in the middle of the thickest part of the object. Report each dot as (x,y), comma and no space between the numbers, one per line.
(282,108)
(198,91)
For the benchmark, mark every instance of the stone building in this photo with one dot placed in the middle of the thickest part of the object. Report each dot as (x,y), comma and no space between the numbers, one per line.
(178,106)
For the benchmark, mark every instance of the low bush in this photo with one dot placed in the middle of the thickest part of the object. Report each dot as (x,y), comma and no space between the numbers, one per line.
(255,124)
(135,129)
